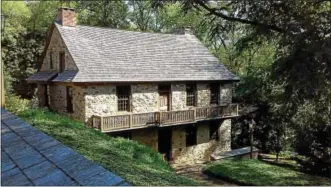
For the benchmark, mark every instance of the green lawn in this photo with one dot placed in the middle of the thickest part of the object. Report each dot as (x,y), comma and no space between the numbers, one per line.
(259,173)
(136,163)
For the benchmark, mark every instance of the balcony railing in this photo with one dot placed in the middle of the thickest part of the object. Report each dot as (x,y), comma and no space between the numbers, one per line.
(141,120)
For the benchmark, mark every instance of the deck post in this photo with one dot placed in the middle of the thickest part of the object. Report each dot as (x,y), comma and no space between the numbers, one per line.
(130,123)
(101,123)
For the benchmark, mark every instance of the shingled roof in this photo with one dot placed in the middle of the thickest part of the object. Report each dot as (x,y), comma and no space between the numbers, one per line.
(111,55)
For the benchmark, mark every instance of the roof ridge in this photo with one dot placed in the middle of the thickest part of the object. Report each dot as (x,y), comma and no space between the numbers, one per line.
(109,28)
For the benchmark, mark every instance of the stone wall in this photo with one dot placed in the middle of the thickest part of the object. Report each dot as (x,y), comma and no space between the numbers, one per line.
(201,151)
(58,98)
(224,134)
(41,95)
(226,93)
(178,96)
(204,148)
(144,98)
(148,137)
(57,45)
(78,101)
(203,94)
(100,100)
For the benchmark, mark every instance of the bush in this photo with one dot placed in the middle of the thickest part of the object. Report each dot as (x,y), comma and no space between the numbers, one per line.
(16,104)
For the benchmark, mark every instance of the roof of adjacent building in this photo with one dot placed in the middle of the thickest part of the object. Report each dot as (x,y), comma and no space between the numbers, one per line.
(112,55)
(42,76)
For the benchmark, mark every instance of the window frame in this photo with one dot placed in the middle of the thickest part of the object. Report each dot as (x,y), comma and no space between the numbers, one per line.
(123,98)
(62,60)
(192,95)
(213,87)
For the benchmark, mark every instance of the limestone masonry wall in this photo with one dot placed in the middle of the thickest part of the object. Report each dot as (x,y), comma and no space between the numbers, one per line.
(205,147)
(41,95)
(203,94)
(78,101)
(144,98)
(58,98)
(148,137)
(57,45)
(178,96)
(100,100)
(226,93)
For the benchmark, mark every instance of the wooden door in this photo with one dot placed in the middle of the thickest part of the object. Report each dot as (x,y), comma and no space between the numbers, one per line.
(164,102)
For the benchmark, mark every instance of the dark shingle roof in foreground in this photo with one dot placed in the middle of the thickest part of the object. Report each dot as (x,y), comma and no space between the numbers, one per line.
(103,54)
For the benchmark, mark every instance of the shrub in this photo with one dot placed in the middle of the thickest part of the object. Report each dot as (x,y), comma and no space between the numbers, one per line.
(16,104)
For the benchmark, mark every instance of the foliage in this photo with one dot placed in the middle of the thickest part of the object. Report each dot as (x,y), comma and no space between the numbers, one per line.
(240,171)
(16,104)
(137,163)
(106,13)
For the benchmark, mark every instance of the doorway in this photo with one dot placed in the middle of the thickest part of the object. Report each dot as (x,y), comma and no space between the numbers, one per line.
(164,142)
(164,99)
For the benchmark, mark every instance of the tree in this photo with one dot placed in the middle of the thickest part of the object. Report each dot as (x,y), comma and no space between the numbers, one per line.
(105,13)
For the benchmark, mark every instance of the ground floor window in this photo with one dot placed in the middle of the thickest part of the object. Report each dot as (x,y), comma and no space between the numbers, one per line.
(191,135)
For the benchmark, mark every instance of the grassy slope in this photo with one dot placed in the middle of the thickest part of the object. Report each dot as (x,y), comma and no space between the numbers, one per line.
(255,172)
(136,163)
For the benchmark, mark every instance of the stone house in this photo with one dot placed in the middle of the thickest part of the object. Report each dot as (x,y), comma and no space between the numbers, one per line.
(164,90)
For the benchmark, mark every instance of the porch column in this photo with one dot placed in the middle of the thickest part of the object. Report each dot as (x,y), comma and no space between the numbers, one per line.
(224,134)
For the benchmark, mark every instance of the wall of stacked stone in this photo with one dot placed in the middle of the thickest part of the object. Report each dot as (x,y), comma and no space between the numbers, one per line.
(144,98)
(205,147)
(100,100)
(58,98)
(203,94)
(78,101)
(226,93)
(41,95)
(57,45)
(148,137)
(178,96)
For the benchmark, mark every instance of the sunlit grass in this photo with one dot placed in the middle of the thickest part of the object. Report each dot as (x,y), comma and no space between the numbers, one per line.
(259,173)
(137,163)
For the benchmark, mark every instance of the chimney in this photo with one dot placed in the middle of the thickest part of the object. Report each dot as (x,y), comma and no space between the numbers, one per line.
(185,31)
(66,17)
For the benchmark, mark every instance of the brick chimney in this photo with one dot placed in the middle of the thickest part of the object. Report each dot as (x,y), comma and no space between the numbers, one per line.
(184,30)
(66,17)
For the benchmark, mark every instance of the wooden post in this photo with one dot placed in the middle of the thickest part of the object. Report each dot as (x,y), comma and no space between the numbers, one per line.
(130,124)
(101,123)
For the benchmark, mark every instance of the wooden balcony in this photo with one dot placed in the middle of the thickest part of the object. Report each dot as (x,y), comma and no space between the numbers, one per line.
(167,118)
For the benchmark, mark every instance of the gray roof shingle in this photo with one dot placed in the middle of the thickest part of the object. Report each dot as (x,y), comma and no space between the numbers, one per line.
(111,55)
(41,76)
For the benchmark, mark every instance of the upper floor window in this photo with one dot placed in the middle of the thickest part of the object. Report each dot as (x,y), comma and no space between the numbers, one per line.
(214,93)
(190,94)
(62,61)
(164,100)
(123,95)
(51,66)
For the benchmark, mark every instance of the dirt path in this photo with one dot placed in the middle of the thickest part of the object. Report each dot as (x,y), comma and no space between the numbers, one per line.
(195,172)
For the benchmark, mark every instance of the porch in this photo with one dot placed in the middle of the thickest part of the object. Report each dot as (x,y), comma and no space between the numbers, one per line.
(163,118)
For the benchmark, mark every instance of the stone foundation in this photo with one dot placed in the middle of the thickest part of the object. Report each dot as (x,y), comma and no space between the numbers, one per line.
(148,137)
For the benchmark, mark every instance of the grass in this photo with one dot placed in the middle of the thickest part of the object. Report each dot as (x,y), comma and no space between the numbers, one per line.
(137,163)
(258,173)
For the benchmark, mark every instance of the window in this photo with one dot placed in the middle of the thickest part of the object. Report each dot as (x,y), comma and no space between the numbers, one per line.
(123,95)
(191,135)
(70,108)
(62,61)
(214,93)
(51,60)
(190,94)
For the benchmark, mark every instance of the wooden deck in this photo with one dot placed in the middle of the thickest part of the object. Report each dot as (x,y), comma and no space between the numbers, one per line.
(167,118)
